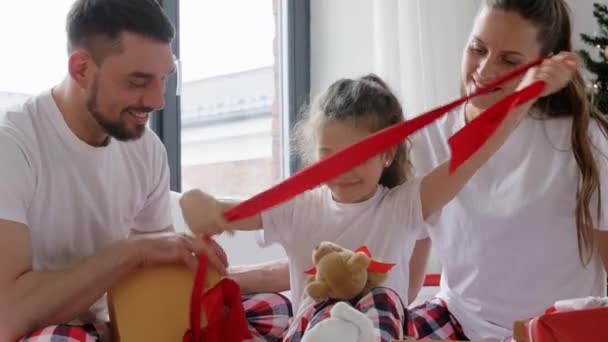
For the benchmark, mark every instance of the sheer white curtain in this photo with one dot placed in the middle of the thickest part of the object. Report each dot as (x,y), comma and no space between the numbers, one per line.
(418,46)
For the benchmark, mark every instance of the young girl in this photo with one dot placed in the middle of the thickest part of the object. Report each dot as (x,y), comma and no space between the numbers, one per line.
(531,218)
(375,204)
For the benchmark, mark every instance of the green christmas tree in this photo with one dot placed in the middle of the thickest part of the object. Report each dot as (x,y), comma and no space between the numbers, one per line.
(599,88)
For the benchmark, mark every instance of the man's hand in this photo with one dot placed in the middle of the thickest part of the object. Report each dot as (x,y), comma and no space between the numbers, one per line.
(170,248)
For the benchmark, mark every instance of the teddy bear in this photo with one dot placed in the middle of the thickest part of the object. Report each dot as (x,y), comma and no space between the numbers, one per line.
(343,274)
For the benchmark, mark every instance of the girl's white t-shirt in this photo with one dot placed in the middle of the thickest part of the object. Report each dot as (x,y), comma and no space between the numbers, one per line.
(389,224)
(508,243)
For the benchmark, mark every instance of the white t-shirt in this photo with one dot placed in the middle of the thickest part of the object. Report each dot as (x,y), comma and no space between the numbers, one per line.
(507,243)
(75,198)
(389,224)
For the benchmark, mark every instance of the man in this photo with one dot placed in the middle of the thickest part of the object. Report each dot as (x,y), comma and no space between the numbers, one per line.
(84,196)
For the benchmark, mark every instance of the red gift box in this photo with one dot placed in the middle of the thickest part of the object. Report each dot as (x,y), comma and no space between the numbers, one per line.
(588,325)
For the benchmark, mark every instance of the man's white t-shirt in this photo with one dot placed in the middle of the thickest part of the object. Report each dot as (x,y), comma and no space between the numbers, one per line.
(75,198)
(507,243)
(389,224)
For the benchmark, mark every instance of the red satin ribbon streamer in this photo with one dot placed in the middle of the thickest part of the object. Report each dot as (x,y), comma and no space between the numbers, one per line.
(463,145)
(223,309)
(374,266)
(470,138)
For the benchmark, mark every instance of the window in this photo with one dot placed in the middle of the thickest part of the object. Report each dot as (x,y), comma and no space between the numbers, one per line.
(231,141)
(245,74)
(41,36)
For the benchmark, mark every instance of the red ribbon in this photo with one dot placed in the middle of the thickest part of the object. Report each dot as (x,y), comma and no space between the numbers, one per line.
(463,144)
(470,138)
(374,266)
(223,309)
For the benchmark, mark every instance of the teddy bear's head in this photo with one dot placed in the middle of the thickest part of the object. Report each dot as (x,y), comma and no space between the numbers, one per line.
(341,274)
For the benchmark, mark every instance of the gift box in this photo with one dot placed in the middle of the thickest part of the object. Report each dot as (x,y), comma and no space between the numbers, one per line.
(589,325)
(172,303)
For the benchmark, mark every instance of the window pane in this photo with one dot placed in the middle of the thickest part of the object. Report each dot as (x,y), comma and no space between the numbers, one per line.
(231,145)
(35,59)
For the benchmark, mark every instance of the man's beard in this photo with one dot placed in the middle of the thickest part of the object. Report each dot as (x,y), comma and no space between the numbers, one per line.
(114,129)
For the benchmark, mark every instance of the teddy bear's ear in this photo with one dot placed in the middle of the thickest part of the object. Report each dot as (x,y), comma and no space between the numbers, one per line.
(329,246)
(324,248)
(357,262)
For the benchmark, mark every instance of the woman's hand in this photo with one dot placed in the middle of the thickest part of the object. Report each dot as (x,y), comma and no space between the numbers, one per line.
(556,71)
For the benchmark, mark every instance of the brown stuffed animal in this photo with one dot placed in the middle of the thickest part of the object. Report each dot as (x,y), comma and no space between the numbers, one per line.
(343,274)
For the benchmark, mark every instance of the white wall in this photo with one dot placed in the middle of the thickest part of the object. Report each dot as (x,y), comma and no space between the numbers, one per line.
(341,41)
(584,22)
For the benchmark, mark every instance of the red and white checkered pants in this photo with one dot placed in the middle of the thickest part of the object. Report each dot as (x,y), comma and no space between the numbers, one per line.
(268,315)
(382,306)
(433,321)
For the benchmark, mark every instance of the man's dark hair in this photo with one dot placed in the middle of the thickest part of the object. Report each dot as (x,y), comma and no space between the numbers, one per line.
(92,24)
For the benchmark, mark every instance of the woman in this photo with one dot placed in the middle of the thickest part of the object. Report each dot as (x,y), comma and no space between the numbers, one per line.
(529,228)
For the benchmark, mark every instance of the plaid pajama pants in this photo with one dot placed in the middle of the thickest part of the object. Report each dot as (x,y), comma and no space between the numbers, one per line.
(383,306)
(433,321)
(71,333)
(268,315)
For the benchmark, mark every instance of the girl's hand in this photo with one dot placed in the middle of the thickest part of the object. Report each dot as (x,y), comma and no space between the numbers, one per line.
(203,214)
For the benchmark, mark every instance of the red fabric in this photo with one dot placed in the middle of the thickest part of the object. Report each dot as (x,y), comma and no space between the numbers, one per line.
(311,272)
(223,309)
(379,267)
(463,145)
(375,266)
(570,326)
(365,251)
(470,138)
(432,279)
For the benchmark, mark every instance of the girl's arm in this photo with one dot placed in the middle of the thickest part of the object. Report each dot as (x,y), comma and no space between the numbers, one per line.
(439,187)
(205,215)
(418,267)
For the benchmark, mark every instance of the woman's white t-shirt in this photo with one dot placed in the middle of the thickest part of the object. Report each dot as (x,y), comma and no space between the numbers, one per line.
(508,243)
